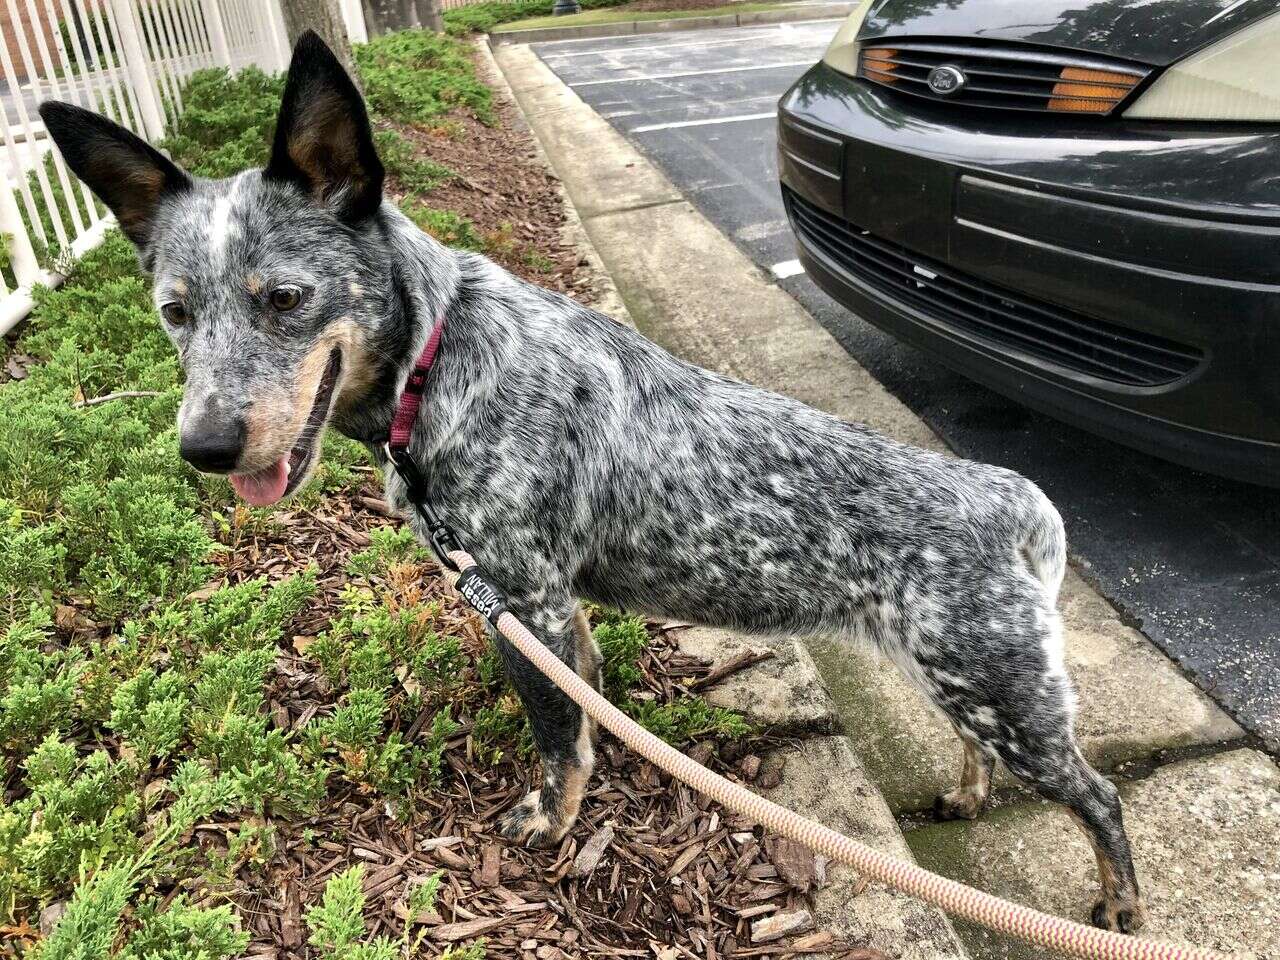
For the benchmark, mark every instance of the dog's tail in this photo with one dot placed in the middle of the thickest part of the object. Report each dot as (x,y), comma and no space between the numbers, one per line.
(1044,545)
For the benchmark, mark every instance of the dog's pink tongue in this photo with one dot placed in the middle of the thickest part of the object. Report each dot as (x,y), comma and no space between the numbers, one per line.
(265,487)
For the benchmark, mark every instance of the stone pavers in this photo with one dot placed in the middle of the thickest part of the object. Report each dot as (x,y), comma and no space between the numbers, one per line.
(823,779)
(1206,839)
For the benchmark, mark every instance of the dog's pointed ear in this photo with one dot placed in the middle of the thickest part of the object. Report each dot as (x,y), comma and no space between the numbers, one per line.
(128,174)
(323,141)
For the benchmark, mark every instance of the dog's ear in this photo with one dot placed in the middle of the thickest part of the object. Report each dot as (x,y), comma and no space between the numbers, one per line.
(323,142)
(127,173)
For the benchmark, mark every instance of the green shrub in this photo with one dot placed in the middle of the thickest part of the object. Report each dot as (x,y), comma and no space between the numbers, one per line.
(227,121)
(183,932)
(86,812)
(37,683)
(337,922)
(416,174)
(149,709)
(483,17)
(415,77)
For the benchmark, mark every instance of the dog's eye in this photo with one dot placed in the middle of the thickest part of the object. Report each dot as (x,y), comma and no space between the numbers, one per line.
(175,313)
(285,299)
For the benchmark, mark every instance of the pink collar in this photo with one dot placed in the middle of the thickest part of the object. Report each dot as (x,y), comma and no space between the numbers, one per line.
(415,386)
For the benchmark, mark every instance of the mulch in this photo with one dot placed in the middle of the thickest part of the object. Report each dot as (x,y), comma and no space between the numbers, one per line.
(504,188)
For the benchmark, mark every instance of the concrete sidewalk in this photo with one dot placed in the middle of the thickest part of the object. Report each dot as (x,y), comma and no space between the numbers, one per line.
(1203,806)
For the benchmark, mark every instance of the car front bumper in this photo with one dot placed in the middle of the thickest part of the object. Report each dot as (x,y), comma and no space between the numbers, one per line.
(1123,277)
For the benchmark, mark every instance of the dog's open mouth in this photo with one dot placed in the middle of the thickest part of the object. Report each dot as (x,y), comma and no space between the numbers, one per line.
(265,487)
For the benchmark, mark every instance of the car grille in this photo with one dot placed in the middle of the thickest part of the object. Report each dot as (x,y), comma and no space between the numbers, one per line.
(997,316)
(1002,77)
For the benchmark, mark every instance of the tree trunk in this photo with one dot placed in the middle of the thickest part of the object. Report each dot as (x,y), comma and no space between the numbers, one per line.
(325,18)
(432,15)
(384,16)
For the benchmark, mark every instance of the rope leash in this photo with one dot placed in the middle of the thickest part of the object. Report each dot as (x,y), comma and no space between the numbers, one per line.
(957,899)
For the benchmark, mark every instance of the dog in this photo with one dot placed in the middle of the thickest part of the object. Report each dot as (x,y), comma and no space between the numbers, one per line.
(576,459)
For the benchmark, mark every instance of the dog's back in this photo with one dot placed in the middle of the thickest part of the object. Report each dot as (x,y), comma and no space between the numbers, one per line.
(662,485)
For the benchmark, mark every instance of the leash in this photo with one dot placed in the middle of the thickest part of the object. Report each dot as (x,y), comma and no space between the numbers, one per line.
(957,899)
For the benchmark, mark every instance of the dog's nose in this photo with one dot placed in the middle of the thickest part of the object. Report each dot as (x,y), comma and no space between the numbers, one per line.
(212,442)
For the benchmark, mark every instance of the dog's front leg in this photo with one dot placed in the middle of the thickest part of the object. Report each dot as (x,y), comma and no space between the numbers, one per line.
(560,730)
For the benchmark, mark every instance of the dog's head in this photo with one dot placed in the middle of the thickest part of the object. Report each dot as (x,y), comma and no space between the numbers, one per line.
(267,282)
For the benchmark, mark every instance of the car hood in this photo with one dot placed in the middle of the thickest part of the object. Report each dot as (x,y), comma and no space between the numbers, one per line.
(1157,32)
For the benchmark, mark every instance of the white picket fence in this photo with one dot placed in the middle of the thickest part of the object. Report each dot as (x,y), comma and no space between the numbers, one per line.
(127,59)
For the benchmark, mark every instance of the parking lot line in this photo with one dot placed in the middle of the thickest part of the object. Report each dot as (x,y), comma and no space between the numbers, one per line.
(693,73)
(704,123)
(620,50)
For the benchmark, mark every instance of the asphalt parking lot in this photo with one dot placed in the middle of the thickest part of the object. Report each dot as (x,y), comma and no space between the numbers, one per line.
(1191,559)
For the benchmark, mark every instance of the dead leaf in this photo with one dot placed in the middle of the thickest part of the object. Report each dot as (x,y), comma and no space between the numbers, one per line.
(301,643)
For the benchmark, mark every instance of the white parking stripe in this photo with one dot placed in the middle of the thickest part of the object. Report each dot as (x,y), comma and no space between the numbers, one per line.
(692,73)
(623,48)
(704,123)
(787,268)
(615,51)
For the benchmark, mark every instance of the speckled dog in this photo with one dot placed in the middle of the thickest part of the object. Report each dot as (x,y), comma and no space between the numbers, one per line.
(576,459)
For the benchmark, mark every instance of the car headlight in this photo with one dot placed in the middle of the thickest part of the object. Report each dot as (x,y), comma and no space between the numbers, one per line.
(842,54)
(1233,79)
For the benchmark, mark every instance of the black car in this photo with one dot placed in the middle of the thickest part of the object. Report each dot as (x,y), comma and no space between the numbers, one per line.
(1075,202)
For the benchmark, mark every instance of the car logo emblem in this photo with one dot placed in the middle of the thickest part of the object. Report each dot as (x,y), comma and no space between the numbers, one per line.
(946,81)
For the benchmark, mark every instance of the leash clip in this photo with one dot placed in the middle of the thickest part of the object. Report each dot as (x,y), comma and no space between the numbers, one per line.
(443,540)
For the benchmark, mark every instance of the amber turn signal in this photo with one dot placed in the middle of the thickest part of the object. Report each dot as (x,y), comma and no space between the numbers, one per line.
(1090,91)
(878,64)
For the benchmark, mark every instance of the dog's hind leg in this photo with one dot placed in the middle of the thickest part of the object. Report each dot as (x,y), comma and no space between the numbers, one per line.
(560,730)
(1031,732)
(1008,692)
(1062,775)
(967,800)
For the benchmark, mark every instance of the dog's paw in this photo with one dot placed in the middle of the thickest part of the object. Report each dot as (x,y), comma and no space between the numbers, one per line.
(1120,916)
(959,804)
(528,823)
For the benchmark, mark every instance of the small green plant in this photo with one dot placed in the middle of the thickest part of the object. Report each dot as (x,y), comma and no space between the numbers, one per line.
(446,226)
(386,547)
(184,932)
(499,727)
(483,17)
(622,640)
(337,922)
(416,174)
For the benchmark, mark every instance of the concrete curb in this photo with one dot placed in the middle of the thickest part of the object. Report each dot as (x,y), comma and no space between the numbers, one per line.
(608,301)
(786,14)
